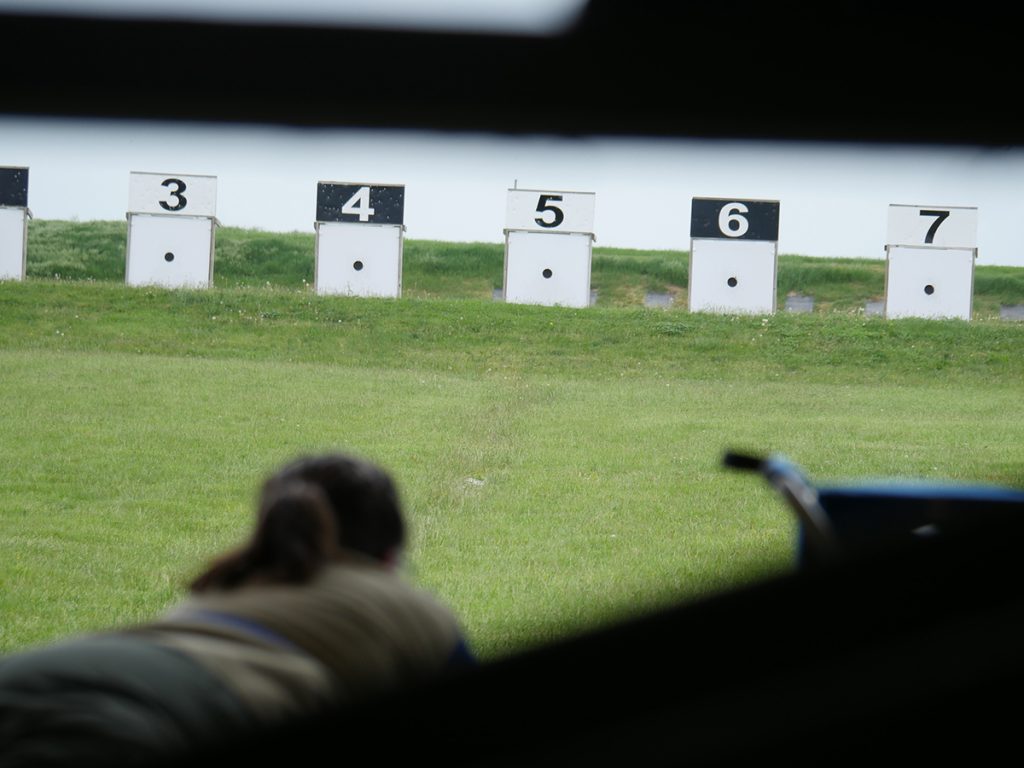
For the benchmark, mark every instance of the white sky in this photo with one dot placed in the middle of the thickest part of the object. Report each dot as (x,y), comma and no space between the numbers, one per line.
(834,198)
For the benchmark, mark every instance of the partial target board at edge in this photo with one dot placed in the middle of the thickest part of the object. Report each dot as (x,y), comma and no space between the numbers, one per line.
(930,256)
(549,237)
(359,239)
(733,255)
(171,227)
(14,216)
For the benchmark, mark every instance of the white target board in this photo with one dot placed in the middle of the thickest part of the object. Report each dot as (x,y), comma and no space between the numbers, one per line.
(171,230)
(932,225)
(548,246)
(553,270)
(170,252)
(172,194)
(930,283)
(733,255)
(356,260)
(359,238)
(14,216)
(931,251)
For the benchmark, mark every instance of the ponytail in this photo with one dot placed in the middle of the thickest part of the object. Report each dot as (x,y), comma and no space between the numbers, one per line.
(295,536)
(362,496)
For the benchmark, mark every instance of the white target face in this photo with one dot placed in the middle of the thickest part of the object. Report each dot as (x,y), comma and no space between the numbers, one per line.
(13,233)
(172,194)
(732,276)
(931,283)
(170,251)
(550,211)
(553,270)
(933,225)
(355,259)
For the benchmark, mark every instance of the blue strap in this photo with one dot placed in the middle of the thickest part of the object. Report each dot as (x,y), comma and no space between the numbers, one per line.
(461,656)
(249,626)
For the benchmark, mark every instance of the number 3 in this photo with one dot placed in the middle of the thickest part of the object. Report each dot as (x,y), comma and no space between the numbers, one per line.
(175,193)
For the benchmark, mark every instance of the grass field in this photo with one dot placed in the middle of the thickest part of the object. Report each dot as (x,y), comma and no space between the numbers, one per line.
(561,467)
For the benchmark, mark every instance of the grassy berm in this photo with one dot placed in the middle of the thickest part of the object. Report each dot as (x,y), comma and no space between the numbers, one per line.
(561,468)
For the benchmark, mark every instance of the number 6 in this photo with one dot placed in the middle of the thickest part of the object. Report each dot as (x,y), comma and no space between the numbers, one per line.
(730,221)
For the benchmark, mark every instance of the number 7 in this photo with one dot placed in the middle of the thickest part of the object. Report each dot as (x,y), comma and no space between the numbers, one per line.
(940,216)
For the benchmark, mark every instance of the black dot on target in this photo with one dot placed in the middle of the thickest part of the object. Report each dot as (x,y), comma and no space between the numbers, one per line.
(732,281)
(358,265)
(168,256)
(929,289)
(547,273)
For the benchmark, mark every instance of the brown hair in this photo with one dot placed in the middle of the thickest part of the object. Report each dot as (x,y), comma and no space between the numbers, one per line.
(309,510)
(294,537)
(362,496)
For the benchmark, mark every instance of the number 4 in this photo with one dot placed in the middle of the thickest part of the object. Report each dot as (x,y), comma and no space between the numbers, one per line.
(359,205)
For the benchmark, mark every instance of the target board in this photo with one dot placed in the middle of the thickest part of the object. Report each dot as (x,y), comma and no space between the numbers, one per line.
(930,255)
(14,216)
(549,237)
(733,255)
(172,220)
(359,238)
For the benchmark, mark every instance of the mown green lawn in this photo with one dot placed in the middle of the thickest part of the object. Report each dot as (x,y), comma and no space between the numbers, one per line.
(561,468)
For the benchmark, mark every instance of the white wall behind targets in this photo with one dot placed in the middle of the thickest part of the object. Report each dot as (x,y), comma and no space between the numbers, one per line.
(835,196)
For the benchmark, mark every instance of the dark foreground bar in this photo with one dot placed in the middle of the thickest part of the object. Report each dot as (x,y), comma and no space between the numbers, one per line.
(912,653)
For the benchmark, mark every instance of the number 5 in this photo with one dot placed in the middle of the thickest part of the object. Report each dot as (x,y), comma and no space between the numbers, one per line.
(543,206)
